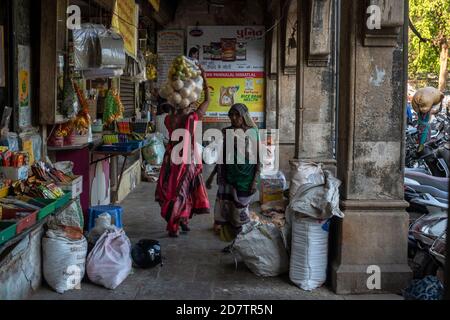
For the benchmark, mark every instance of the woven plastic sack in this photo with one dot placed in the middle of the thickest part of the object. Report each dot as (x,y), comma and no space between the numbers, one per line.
(63,261)
(304,173)
(262,249)
(309,253)
(318,201)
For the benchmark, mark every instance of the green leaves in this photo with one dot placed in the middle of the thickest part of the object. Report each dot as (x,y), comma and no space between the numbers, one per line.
(432,20)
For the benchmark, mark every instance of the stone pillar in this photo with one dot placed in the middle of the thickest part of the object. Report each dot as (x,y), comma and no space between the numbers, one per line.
(316,83)
(371,120)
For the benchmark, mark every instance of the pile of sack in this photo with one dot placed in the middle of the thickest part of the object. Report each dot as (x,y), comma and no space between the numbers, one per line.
(298,245)
(65,252)
(314,200)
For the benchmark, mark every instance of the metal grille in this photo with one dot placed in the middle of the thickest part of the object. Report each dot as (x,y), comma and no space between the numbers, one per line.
(128,96)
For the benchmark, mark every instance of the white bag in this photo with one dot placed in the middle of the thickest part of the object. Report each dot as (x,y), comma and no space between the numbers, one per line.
(63,261)
(303,173)
(262,250)
(318,201)
(309,253)
(102,224)
(109,263)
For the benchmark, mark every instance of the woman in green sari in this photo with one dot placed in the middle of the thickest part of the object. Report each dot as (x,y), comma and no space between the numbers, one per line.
(237,177)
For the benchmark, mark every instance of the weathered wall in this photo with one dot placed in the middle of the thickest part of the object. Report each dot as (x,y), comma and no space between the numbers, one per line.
(374,231)
(316,140)
(20,270)
(377,124)
(235,12)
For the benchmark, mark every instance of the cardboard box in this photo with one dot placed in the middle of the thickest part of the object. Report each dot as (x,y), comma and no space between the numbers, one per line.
(272,189)
(76,187)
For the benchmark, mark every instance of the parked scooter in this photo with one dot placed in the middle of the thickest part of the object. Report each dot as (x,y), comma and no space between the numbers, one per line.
(427,244)
(426,193)
(435,157)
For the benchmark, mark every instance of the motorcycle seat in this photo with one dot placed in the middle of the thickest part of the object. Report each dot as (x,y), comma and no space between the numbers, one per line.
(425,179)
(427,189)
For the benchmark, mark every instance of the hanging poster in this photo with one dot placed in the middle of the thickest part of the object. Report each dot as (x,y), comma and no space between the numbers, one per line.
(170,46)
(125,21)
(2,58)
(233,58)
(24,89)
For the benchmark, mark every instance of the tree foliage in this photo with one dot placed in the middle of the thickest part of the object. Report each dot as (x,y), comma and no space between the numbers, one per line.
(431,18)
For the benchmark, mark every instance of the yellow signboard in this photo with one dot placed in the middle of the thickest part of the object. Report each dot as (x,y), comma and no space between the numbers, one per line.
(155,4)
(124,21)
(235,87)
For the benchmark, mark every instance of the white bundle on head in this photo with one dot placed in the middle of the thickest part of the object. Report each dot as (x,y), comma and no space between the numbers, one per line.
(185,83)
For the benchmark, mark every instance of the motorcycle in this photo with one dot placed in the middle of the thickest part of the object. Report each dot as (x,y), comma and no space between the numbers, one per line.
(435,156)
(427,244)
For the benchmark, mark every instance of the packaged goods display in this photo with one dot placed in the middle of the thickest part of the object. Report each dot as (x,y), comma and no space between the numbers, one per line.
(228,49)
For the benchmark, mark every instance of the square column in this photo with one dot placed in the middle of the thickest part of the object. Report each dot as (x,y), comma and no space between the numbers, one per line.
(373,236)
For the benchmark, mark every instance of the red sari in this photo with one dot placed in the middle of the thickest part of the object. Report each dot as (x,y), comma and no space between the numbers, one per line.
(181,191)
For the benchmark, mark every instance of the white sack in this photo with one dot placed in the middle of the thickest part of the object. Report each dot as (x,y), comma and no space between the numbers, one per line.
(262,249)
(109,263)
(305,173)
(309,253)
(63,261)
(319,201)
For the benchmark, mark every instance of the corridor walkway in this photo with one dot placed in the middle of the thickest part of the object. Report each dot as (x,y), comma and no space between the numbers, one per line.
(194,267)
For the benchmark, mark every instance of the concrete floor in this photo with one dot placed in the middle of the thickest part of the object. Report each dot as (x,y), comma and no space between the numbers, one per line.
(194,266)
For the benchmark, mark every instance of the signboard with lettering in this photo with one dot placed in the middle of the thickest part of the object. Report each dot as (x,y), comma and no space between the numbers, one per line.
(233,58)
(170,46)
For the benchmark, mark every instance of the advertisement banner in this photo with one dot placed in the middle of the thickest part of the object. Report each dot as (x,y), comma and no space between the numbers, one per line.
(233,58)
(125,21)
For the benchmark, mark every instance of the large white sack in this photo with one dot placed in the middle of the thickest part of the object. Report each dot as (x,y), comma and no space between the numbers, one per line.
(318,201)
(109,263)
(309,253)
(63,261)
(262,249)
(305,173)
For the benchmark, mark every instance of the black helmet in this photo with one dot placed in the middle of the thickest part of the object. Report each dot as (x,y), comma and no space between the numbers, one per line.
(146,254)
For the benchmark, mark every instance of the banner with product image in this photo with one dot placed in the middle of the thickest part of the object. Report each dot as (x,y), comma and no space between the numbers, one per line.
(233,58)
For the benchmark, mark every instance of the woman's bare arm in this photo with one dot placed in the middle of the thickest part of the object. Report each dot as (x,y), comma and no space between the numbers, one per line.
(203,108)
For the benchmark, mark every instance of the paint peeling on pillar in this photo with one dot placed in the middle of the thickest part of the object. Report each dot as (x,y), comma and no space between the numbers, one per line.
(377,79)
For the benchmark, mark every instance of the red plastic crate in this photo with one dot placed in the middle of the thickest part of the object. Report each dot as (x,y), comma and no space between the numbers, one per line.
(22,223)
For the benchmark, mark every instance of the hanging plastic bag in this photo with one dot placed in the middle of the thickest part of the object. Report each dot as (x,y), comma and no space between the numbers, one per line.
(70,106)
(109,263)
(96,47)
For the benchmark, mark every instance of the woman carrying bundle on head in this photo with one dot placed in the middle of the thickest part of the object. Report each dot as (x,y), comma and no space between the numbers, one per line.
(181,190)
